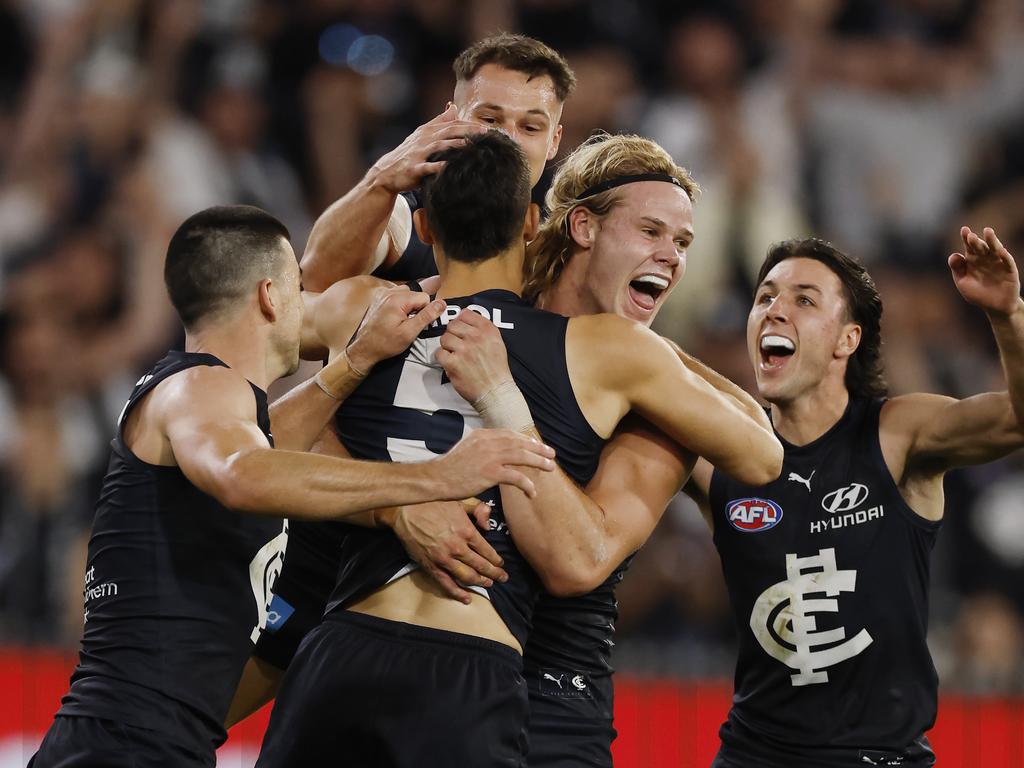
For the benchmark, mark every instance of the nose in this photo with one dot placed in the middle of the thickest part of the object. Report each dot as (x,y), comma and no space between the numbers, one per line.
(778,310)
(668,254)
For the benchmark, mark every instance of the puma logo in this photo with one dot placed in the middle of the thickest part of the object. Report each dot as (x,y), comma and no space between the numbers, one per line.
(556,680)
(797,479)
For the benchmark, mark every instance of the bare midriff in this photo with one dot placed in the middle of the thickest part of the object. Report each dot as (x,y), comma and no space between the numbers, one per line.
(416,599)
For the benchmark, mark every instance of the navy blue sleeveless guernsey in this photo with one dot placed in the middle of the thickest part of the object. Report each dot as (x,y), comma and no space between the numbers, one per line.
(827,570)
(407,410)
(175,587)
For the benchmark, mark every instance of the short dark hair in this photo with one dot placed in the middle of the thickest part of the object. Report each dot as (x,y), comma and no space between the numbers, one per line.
(865,374)
(520,54)
(216,256)
(477,203)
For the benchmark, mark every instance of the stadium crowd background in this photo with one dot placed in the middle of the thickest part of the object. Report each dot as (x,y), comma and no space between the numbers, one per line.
(882,125)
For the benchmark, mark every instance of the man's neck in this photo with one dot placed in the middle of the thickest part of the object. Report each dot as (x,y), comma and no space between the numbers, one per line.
(240,347)
(503,271)
(568,296)
(809,416)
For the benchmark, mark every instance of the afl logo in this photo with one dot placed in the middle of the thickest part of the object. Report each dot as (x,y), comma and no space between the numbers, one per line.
(753,515)
(845,499)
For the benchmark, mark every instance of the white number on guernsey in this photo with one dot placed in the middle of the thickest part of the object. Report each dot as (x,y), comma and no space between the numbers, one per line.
(420,387)
(263,572)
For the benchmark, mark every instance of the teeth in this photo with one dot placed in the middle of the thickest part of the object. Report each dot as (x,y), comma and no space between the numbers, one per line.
(658,282)
(770,340)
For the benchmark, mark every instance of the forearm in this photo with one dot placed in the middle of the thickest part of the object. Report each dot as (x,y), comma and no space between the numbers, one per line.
(345,237)
(300,415)
(727,387)
(561,532)
(1008,331)
(304,485)
(709,423)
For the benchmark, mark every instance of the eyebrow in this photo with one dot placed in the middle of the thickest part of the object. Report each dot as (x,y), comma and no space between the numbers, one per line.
(662,225)
(499,108)
(799,286)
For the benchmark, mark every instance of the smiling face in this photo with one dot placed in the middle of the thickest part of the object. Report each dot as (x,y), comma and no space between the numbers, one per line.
(636,252)
(525,108)
(799,335)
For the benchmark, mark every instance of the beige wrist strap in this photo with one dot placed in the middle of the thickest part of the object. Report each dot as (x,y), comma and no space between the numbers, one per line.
(504,407)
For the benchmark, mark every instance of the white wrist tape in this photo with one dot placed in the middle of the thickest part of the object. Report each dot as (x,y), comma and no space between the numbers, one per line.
(504,407)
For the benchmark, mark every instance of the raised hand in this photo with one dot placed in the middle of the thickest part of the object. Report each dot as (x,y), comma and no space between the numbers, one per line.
(402,169)
(986,274)
(489,457)
(441,537)
(393,321)
(473,355)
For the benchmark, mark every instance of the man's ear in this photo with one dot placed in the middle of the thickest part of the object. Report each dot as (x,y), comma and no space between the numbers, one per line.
(532,224)
(582,224)
(266,300)
(849,340)
(556,140)
(419,220)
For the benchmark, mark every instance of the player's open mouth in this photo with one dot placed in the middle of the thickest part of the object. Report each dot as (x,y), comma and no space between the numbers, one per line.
(775,351)
(646,290)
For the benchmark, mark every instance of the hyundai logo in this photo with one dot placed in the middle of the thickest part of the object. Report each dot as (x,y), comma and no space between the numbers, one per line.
(845,499)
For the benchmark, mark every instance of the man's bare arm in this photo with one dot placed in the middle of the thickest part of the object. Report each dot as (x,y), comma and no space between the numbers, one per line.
(573,539)
(358,233)
(727,387)
(945,432)
(209,419)
(617,366)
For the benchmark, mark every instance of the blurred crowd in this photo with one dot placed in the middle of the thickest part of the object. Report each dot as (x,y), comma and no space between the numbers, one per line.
(882,125)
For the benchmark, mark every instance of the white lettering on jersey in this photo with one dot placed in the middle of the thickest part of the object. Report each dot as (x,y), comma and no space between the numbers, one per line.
(451,312)
(263,572)
(783,622)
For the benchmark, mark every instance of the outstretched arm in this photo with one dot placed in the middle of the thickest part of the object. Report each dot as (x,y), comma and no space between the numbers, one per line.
(208,416)
(942,432)
(370,225)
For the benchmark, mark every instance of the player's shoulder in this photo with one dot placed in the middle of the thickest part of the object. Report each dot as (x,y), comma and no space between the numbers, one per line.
(334,312)
(907,413)
(614,336)
(355,288)
(203,391)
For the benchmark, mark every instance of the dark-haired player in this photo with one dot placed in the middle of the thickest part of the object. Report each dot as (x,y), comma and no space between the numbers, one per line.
(510,82)
(828,566)
(185,542)
(439,682)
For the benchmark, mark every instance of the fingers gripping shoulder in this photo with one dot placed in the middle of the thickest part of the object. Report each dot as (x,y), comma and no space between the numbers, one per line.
(334,315)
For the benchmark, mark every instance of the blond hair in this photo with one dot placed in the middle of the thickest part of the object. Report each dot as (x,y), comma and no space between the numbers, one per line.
(600,158)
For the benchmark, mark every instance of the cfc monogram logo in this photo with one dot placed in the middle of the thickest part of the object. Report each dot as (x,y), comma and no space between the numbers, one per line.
(784,624)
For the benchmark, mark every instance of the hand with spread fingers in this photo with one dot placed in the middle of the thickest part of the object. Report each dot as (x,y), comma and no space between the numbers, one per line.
(442,538)
(986,274)
(393,321)
(488,457)
(404,167)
